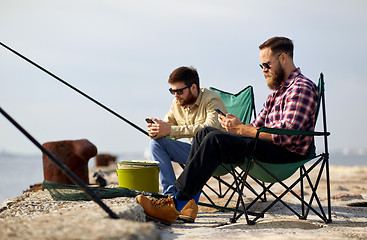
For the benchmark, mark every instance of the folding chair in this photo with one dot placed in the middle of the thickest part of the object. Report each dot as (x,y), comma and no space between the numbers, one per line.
(277,173)
(242,105)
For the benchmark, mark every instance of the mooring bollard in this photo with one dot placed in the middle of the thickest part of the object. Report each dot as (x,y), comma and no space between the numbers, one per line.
(74,154)
(105,159)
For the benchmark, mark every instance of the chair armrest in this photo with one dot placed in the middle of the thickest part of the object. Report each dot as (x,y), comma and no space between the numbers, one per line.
(279,131)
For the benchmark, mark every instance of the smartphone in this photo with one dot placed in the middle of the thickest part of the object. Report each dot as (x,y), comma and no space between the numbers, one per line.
(219,111)
(148,120)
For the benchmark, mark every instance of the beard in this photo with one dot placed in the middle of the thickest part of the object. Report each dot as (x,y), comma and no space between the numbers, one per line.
(189,100)
(274,80)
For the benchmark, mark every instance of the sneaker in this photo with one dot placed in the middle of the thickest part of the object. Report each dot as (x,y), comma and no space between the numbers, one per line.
(189,212)
(162,210)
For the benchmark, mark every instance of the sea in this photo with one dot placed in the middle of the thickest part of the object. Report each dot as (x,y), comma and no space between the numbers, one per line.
(18,171)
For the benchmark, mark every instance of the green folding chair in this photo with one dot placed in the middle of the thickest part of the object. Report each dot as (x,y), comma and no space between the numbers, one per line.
(277,173)
(242,105)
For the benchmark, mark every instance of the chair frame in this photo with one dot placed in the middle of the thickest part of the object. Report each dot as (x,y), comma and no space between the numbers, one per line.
(322,158)
(239,175)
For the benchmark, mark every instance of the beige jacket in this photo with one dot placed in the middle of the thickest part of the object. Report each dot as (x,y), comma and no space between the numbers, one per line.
(186,122)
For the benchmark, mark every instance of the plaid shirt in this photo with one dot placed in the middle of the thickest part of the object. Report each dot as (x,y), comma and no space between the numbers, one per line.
(291,106)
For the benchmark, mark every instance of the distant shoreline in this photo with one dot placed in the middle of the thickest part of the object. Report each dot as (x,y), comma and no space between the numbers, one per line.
(338,157)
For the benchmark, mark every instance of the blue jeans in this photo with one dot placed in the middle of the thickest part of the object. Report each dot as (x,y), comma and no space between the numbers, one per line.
(164,150)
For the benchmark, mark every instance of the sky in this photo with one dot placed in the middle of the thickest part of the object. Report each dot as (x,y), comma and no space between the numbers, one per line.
(122,52)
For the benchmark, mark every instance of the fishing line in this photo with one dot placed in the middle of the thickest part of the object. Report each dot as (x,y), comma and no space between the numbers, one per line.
(75,89)
(65,170)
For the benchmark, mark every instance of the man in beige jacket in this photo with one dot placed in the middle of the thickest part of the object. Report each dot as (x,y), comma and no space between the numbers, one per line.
(191,110)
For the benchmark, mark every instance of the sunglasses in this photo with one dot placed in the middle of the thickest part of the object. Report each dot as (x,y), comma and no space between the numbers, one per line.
(266,65)
(179,91)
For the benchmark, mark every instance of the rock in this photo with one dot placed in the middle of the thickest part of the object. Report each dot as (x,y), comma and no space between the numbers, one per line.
(74,154)
(34,187)
(341,188)
(105,159)
(347,196)
(358,204)
(36,216)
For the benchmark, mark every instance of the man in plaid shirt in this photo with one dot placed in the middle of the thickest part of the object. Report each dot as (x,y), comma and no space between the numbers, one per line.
(291,105)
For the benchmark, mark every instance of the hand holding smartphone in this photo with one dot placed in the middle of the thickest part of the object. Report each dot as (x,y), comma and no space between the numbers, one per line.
(219,111)
(148,120)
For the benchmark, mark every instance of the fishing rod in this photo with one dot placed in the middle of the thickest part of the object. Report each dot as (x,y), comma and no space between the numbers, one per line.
(75,89)
(65,170)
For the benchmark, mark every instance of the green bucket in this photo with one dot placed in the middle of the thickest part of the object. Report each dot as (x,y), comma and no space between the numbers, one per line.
(138,175)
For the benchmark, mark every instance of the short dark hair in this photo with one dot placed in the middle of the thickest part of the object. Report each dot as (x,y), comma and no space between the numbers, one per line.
(278,45)
(188,75)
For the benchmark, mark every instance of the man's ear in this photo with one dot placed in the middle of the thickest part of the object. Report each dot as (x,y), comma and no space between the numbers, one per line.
(194,87)
(283,57)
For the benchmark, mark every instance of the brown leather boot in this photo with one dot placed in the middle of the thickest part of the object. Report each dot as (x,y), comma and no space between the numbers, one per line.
(162,210)
(189,212)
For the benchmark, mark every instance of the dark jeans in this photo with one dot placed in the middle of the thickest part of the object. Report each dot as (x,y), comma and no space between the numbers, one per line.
(213,147)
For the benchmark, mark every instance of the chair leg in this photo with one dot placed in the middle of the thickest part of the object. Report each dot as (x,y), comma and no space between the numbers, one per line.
(263,193)
(220,189)
(314,191)
(328,187)
(264,199)
(289,189)
(240,198)
(322,215)
(302,194)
